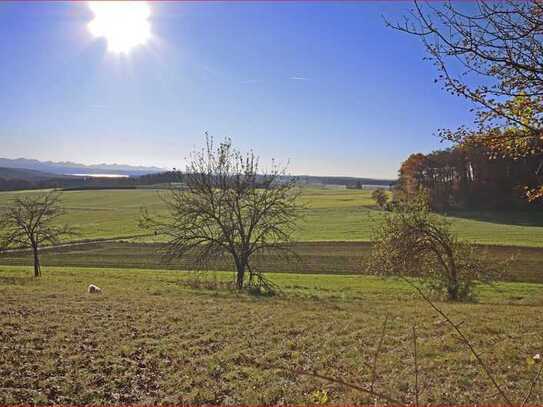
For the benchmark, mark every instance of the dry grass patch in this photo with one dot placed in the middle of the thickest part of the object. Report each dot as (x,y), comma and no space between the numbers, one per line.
(149,339)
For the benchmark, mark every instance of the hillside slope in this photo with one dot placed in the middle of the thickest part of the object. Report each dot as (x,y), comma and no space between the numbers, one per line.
(27,175)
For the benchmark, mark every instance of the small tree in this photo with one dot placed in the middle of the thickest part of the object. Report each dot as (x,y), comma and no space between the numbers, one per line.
(31,221)
(227,208)
(411,242)
(380,197)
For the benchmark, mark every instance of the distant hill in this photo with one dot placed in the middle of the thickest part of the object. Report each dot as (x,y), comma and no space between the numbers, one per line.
(14,178)
(28,175)
(68,168)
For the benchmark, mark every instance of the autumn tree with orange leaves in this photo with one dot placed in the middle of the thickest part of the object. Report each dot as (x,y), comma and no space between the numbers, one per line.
(492,54)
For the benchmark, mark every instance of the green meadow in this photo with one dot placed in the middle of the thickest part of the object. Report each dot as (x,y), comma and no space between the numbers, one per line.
(330,215)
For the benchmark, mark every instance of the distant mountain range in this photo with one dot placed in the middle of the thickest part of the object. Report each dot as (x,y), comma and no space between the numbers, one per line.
(70,168)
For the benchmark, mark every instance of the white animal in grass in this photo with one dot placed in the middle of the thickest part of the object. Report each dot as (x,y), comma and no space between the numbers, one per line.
(93,289)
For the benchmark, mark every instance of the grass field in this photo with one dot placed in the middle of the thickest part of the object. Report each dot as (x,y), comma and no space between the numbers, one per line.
(149,338)
(314,258)
(331,215)
(152,337)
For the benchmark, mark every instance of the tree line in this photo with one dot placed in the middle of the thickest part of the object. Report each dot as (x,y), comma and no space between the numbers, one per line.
(469,175)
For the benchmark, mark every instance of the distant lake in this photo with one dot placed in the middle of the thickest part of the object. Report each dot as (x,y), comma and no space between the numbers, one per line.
(101,175)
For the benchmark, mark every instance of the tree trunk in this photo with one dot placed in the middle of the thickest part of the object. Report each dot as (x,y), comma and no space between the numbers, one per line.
(453,286)
(240,274)
(241,265)
(451,273)
(452,292)
(37,268)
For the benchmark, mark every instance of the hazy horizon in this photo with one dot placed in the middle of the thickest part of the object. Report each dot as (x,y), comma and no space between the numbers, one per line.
(181,168)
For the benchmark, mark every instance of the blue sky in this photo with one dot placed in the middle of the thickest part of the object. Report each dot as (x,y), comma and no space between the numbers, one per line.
(324,85)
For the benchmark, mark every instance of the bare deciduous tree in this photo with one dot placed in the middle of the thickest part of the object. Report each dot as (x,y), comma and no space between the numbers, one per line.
(411,241)
(31,221)
(226,207)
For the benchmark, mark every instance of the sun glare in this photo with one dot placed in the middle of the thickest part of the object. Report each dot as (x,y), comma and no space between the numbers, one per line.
(124,24)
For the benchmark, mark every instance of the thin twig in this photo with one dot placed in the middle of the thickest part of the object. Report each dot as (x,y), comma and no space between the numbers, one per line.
(416,366)
(302,372)
(532,386)
(376,355)
(464,340)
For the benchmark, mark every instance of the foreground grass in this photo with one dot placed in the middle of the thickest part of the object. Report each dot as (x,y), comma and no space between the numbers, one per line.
(149,338)
(331,215)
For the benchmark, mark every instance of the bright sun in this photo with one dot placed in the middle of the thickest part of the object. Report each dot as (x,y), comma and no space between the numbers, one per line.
(124,24)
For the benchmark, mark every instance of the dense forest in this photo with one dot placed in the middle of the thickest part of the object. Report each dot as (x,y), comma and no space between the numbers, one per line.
(470,175)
